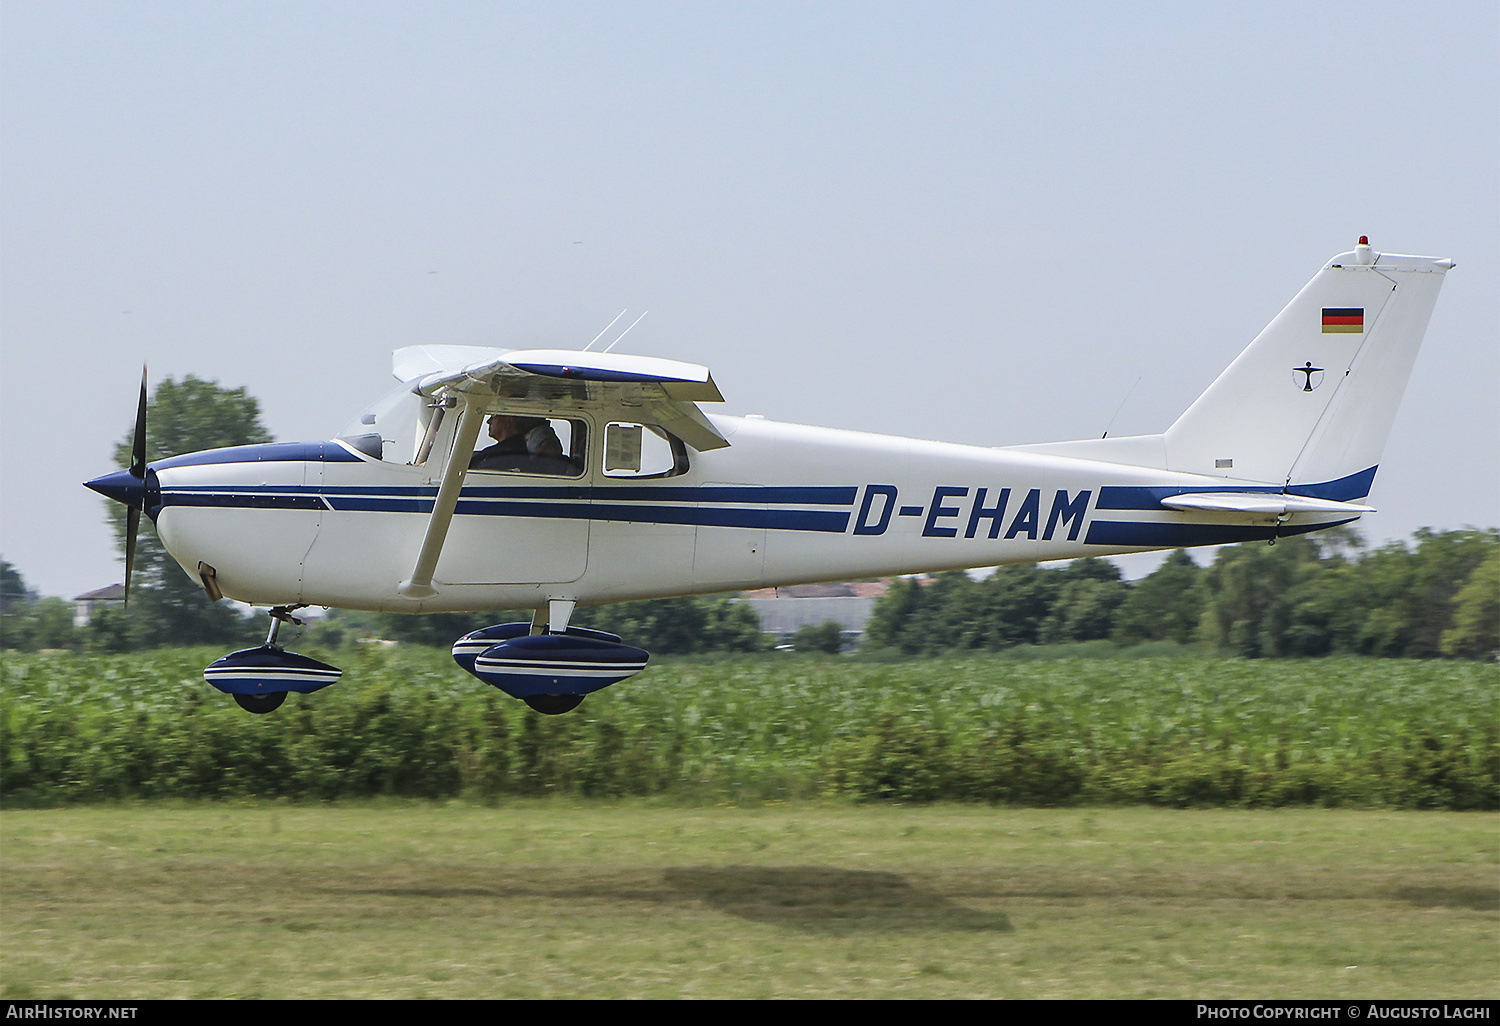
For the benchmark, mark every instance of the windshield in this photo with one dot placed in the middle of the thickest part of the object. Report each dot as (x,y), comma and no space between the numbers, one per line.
(392,427)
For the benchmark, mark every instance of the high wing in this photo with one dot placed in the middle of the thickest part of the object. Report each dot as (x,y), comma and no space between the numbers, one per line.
(668,390)
(664,392)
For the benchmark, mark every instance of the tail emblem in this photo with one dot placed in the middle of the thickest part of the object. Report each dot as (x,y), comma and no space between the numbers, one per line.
(1312,376)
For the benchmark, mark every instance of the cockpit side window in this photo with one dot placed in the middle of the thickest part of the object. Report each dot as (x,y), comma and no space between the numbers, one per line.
(520,443)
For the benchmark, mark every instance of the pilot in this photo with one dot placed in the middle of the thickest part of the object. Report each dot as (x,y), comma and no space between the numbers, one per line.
(518,436)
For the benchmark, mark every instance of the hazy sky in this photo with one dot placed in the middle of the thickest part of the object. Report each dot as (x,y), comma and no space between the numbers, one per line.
(978,222)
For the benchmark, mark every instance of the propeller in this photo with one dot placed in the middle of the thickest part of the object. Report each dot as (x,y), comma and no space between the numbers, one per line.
(129,486)
(137,471)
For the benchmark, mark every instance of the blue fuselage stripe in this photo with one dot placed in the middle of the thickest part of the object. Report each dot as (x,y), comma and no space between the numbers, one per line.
(708,516)
(562,503)
(712,516)
(1345,489)
(757,494)
(242,500)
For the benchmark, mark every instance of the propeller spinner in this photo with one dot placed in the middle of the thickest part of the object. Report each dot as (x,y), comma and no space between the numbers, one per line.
(129,486)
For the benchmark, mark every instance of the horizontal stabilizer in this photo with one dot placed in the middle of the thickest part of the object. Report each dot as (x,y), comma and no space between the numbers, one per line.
(1259,502)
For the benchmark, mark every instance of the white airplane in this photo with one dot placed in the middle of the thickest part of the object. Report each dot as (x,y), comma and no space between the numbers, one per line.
(608,482)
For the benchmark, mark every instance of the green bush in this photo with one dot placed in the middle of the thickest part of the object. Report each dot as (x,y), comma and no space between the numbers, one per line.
(1180,730)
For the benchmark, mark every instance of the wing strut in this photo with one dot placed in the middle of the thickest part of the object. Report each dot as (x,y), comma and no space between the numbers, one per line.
(419,585)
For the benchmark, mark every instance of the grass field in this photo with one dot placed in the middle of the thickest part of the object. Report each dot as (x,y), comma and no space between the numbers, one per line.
(550,898)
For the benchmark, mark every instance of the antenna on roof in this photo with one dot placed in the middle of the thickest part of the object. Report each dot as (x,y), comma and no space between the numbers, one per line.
(611,324)
(1119,408)
(626,331)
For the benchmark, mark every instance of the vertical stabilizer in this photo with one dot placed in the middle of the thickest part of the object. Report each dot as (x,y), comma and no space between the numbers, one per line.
(1311,401)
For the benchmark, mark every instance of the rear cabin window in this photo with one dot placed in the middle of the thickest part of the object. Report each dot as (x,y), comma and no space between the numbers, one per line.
(642,451)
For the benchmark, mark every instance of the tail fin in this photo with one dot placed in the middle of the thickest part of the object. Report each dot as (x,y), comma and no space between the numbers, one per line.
(1309,404)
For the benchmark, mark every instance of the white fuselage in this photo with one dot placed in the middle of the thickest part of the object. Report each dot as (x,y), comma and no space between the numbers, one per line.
(323,524)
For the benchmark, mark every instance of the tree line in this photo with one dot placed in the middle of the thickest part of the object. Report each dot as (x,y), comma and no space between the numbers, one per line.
(1311,595)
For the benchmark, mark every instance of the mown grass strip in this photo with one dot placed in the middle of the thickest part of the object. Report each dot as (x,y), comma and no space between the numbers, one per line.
(562,898)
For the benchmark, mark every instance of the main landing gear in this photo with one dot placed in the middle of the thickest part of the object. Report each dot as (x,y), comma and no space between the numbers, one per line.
(547,664)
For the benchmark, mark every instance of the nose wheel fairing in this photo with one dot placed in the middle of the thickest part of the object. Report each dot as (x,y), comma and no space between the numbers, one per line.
(267,670)
(259,678)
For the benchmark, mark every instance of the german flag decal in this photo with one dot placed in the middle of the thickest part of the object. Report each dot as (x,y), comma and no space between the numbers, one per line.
(1343,319)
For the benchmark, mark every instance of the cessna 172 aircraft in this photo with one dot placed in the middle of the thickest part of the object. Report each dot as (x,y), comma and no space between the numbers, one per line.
(608,482)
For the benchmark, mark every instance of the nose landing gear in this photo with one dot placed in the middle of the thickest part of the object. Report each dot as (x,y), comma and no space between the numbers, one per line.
(259,678)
